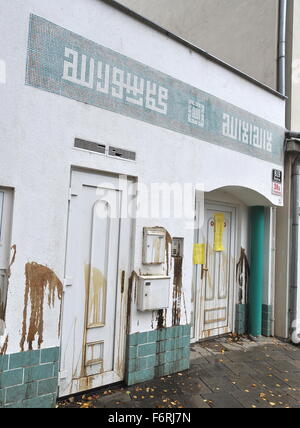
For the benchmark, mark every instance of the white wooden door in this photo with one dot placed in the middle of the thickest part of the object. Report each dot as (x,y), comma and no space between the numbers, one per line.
(215,279)
(6,208)
(94,322)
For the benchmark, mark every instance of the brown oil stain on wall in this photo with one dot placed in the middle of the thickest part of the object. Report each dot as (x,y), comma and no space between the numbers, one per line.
(177,291)
(161,318)
(3,349)
(38,279)
(131,281)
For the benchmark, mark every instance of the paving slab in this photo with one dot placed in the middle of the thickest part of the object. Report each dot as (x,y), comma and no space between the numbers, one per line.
(228,372)
(219,400)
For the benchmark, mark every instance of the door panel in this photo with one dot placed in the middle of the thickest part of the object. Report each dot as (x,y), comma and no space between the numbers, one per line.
(214,281)
(93,333)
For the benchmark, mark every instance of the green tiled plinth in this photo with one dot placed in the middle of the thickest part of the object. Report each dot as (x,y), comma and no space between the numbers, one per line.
(267,320)
(29,379)
(157,353)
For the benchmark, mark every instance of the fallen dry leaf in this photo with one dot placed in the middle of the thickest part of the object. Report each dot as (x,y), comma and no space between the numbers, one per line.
(85,405)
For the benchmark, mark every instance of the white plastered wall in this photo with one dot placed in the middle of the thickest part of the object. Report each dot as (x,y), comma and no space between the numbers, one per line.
(38,131)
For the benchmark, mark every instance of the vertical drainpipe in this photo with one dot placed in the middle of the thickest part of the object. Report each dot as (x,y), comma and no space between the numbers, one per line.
(282,47)
(294,242)
(257,218)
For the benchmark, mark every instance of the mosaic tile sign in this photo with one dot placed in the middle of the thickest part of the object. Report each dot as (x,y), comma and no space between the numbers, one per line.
(64,63)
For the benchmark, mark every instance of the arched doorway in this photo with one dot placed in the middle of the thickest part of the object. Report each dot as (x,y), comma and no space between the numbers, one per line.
(220,279)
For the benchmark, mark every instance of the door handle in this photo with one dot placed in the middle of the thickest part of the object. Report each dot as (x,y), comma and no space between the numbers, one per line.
(204,270)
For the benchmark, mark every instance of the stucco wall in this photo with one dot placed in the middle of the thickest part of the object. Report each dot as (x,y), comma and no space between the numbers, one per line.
(295,84)
(241,32)
(37,138)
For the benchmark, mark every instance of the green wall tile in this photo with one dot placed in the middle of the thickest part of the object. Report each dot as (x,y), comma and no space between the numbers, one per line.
(32,374)
(162,334)
(152,336)
(2,397)
(148,349)
(166,351)
(50,355)
(141,363)
(131,366)
(142,338)
(3,363)
(24,359)
(11,378)
(133,339)
(44,402)
(132,352)
(19,405)
(21,392)
(144,375)
(48,386)
(151,361)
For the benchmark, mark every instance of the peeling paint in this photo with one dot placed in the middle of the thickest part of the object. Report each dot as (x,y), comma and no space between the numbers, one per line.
(38,279)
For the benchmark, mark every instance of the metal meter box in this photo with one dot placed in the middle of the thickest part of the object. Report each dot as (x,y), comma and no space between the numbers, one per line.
(154,245)
(153,292)
(177,247)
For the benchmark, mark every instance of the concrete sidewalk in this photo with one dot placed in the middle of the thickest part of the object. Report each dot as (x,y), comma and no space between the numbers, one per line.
(229,372)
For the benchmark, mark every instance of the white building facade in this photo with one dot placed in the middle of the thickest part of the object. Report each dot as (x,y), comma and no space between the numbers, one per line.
(111,134)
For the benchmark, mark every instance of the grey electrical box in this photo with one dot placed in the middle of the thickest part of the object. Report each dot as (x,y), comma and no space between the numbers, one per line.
(154,246)
(153,292)
(177,247)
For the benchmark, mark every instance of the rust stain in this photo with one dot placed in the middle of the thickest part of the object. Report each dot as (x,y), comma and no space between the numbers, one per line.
(97,297)
(157,250)
(123,281)
(131,279)
(168,258)
(38,279)
(87,276)
(86,383)
(161,320)
(3,349)
(177,291)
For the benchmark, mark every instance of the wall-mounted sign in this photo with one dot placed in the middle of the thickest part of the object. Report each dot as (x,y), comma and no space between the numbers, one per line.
(277,182)
(67,64)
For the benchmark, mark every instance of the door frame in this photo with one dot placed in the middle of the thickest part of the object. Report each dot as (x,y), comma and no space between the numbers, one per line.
(124,269)
(197,283)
